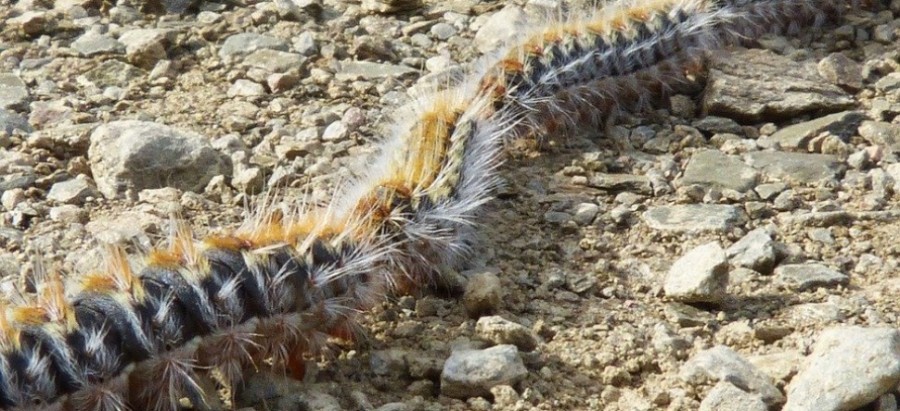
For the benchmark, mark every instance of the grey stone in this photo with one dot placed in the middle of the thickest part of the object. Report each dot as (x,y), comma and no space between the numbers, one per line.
(368,47)
(145,47)
(712,168)
(124,14)
(798,136)
(274,392)
(390,6)
(893,171)
(16,180)
(726,397)
(472,373)
(138,155)
(91,44)
(770,191)
(881,133)
(714,125)
(335,131)
(700,276)
(585,213)
(443,31)
(849,367)
(888,84)
(31,23)
(279,82)
(859,160)
(693,218)
(500,28)
(305,44)
(820,234)
(557,217)
(757,85)
(884,33)
(687,316)
(721,363)
(70,139)
(483,293)
(68,213)
(74,191)
(881,109)
(803,277)
(779,366)
(288,9)
(246,43)
(812,313)
(13,91)
(621,182)
(394,406)
(10,121)
(11,198)
(840,70)
(785,201)
(46,114)
(245,88)
(425,365)
(392,362)
(249,180)
(666,340)
(274,61)
(499,330)
(367,70)
(756,251)
(802,168)
(177,6)
(11,236)
(438,64)
(887,402)
(113,73)
(13,161)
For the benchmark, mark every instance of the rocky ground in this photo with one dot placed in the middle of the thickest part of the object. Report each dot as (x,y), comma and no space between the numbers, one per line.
(745,256)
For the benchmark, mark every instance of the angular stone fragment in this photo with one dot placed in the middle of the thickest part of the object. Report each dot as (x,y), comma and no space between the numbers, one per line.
(802,168)
(848,368)
(726,397)
(797,136)
(138,155)
(483,294)
(759,85)
(693,218)
(13,91)
(499,330)
(246,43)
(756,251)
(700,276)
(712,168)
(721,363)
(803,277)
(472,373)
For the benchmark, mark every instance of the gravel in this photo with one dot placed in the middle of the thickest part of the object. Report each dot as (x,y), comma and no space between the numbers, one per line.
(785,156)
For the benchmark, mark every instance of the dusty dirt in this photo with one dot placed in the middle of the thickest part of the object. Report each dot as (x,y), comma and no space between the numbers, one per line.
(592,293)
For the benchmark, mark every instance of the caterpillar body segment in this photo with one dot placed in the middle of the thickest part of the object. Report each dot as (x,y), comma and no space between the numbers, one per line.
(141,334)
(628,39)
(616,40)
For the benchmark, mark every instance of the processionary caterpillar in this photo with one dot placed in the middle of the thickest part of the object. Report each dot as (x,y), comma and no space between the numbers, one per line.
(275,289)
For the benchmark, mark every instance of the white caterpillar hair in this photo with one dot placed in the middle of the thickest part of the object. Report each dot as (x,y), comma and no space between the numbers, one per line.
(142,337)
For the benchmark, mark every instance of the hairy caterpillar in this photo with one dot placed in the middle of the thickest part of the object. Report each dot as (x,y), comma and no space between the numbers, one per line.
(278,287)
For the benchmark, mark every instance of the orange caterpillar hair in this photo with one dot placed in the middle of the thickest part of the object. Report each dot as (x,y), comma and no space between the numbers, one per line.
(142,336)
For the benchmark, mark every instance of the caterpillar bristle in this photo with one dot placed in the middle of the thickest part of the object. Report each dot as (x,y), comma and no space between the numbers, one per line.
(145,333)
(159,383)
